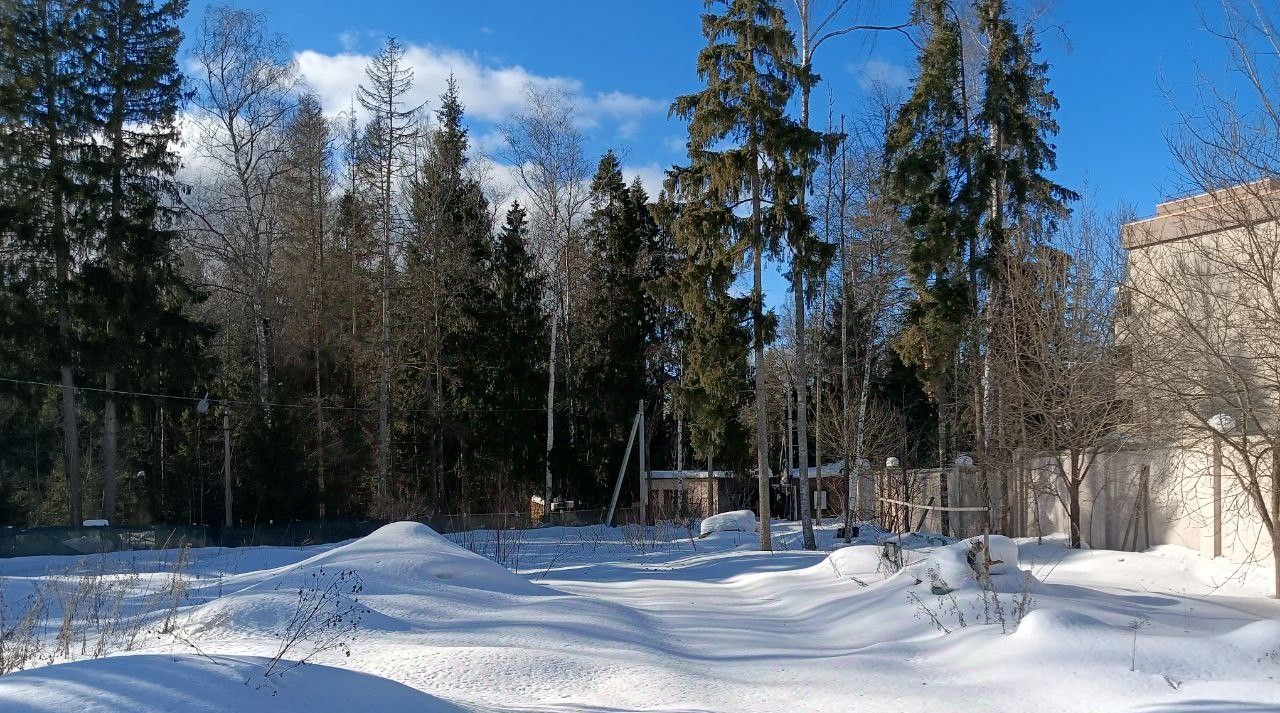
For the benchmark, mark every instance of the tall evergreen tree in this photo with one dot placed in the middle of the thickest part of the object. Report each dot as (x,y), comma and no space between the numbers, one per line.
(508,410)
(447,294)
(307,190)
(616,323)
(49,112)
(968,172)
(711,326)
(741,147)
(931,153)
(138,293)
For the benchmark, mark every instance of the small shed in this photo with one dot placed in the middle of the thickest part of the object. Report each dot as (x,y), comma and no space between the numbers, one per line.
(693,493)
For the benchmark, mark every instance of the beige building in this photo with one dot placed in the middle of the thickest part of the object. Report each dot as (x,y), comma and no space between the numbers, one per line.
(1198,336)
(1200,327)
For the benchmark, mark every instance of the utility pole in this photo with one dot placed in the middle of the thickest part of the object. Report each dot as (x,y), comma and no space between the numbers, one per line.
(622,471)
(226,467)
(644,473)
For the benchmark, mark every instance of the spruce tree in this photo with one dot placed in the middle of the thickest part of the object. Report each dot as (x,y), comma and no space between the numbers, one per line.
(509,414)
(711,323)
(47,122)
(617,321)
(138,293)
(741,148)
(306,205)
(447,297)
(966,180)
(931,155)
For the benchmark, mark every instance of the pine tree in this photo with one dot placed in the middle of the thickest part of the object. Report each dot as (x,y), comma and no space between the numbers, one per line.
(509,411)
(391,129)
(138,92)
(747,66)
(931,154)
(48,118)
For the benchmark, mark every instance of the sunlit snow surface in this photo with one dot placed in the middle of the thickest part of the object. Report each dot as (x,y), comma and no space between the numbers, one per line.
(594,619)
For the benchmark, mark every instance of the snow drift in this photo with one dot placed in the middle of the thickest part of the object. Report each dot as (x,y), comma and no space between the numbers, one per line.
(734,521)
(194,684)
(957,566)
(405,571)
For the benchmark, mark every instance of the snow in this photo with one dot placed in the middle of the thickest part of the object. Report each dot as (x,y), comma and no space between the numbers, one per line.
(733,521)
(653,619)
(167,684)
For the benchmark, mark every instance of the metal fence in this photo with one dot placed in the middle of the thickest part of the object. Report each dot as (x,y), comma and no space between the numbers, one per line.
(63,540)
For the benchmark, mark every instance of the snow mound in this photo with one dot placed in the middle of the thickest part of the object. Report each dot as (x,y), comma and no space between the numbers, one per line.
(858,562)
(1258,639)
(387,580)
(733,521)
(403,557)
(163,684)
(1061,627)
(955,566)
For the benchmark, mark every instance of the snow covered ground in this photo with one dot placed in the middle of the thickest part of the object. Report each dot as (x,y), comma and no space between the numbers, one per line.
(593,619)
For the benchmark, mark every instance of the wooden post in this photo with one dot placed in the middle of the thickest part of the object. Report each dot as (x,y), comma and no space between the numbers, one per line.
(1217,497)
(644,473)
(622,470)
(226,467)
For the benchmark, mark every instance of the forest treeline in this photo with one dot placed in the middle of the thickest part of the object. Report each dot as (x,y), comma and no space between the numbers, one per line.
(377,326)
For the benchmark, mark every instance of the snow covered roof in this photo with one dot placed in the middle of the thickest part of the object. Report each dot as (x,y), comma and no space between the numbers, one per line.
(691,474)
(829,469)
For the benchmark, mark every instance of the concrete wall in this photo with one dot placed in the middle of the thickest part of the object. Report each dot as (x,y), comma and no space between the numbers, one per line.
(1131,499)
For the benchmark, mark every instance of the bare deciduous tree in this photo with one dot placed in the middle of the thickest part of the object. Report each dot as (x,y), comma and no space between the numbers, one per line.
(545,149)
(1055,366)
(244,96)
(1204,294)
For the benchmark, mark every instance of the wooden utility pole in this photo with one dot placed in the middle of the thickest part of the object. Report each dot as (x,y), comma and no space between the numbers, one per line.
(644,473)
(622,470)
(226,467)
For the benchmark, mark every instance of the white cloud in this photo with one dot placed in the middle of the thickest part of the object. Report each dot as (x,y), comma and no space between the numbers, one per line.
(489,92)
(875,72)
(651,177)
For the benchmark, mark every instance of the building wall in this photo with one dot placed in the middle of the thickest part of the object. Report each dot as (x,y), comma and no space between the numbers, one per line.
(1131,499)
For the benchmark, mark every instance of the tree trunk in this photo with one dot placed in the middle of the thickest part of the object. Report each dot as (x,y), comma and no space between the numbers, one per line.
(384,373)
(802,409)
(944,500)
(846,442)
(797,286)
(110,441)
(1073,513)
(757,319)
(762,438)
(862,496)
(551,411)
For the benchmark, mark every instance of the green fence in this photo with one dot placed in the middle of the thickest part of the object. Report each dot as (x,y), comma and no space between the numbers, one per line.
(35,541)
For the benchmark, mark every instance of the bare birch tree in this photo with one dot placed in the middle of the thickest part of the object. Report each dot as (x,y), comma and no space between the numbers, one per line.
(545,151)
(244,95)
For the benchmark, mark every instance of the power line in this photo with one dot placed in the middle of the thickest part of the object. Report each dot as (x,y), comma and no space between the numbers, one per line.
(272,404)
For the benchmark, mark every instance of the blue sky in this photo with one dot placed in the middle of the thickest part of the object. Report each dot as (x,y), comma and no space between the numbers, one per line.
(1117,68)
(1112,64)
